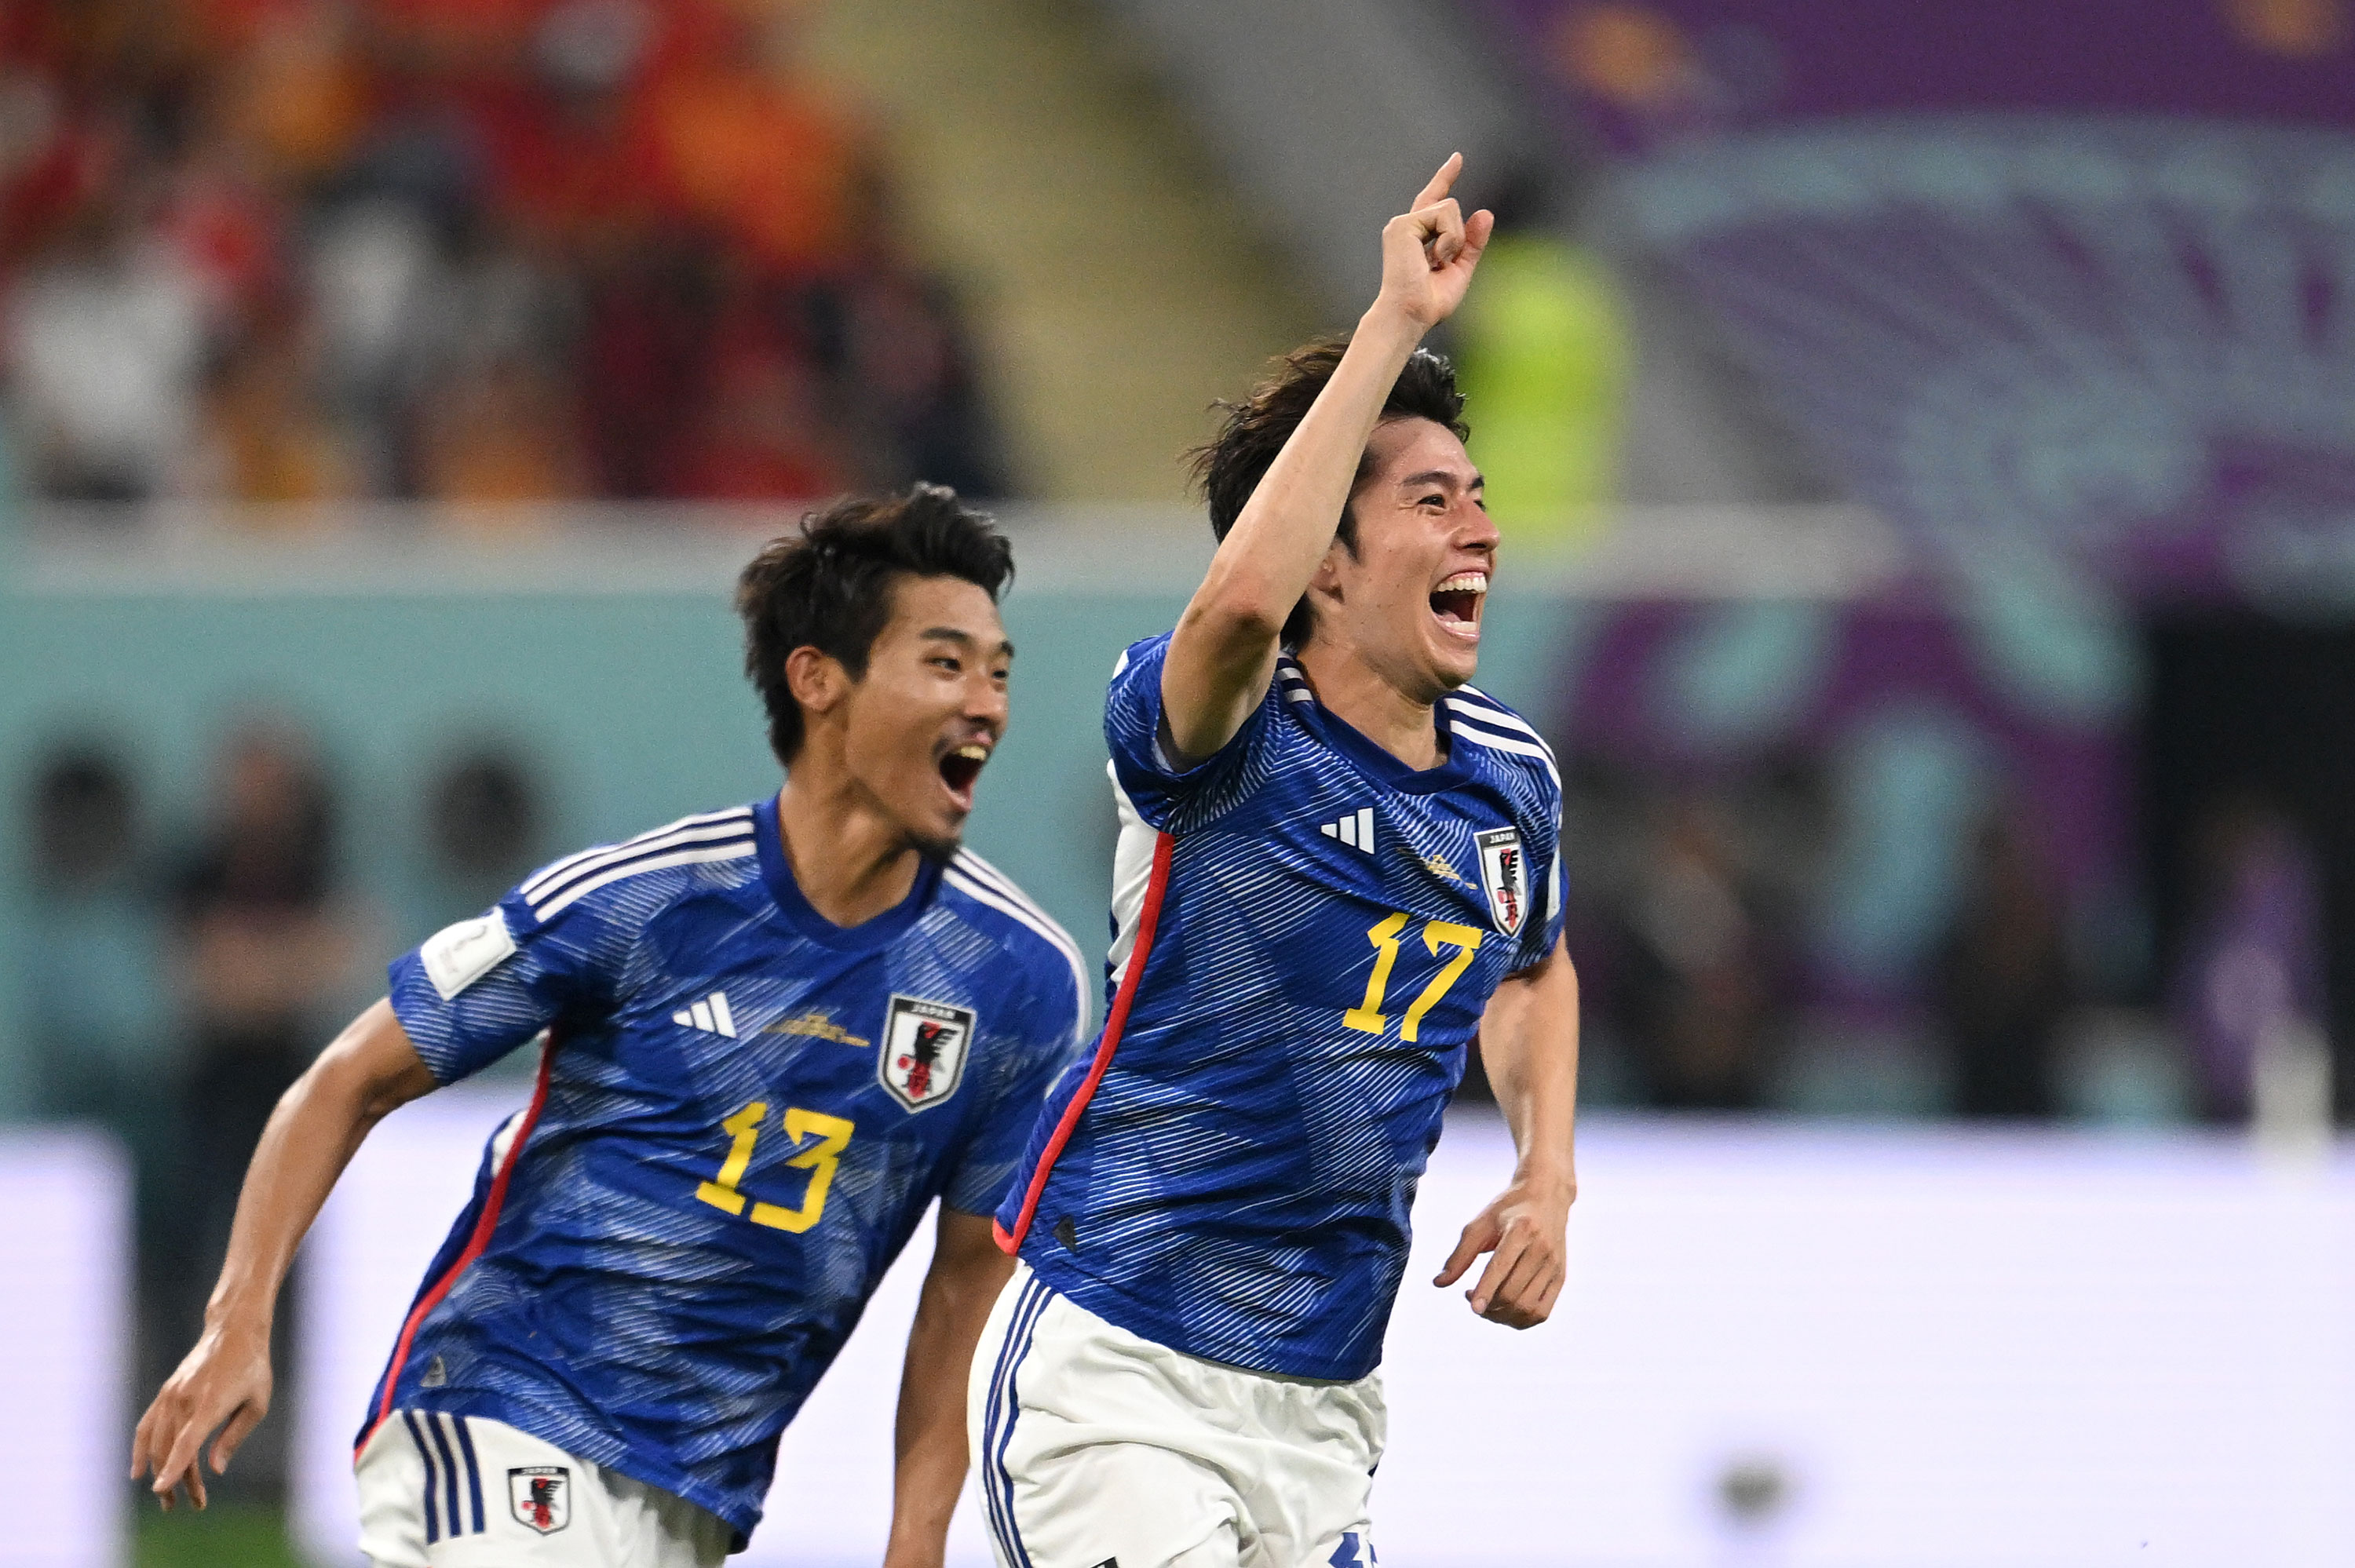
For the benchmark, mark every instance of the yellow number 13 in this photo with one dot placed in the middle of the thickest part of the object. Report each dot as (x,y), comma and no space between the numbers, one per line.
(819,1159)
(1436,934)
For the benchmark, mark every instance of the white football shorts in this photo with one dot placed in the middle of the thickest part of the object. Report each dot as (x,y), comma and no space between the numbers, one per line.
(1097,1448)
(459,1491)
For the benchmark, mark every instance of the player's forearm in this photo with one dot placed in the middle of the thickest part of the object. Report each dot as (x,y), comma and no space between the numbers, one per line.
(930,1457)
(1224,651)
(1532,1057)
(318,1125)
(1263,565)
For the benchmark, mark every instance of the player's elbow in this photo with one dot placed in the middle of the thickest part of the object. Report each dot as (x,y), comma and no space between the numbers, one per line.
(1231,619)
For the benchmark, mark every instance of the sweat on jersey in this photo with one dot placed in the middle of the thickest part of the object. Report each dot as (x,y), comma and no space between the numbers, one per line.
(1306,931)
(742,1112)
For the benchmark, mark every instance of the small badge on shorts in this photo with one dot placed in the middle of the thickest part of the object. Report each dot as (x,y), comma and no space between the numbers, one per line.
(541,1497)
(924,1048)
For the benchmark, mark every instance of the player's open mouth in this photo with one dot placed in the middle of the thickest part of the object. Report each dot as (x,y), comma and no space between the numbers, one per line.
(960,767)
(1456,603)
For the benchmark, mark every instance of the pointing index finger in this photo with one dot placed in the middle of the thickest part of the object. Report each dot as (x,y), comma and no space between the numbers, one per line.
(1441,183)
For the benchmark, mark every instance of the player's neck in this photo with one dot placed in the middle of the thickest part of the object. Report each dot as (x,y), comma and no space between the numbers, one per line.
(1353,691)
(850,861)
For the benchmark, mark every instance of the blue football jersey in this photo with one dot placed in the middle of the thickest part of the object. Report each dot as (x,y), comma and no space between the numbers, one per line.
(743,1111)
(1306,931)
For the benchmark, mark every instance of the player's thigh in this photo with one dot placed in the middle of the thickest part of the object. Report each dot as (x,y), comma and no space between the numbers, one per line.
(1308,1479)
(1080,1506)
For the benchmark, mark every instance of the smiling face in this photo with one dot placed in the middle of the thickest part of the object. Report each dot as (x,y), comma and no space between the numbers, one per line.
(916,730)
(1407,600)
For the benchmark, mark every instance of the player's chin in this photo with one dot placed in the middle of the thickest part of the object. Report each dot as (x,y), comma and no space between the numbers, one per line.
(1453,664)
(939,835)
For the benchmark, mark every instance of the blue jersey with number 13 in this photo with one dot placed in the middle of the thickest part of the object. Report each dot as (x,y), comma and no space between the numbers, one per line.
(743,1111)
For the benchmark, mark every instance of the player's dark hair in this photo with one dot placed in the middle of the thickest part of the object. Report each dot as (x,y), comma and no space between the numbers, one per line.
(828,585)
(1230,465)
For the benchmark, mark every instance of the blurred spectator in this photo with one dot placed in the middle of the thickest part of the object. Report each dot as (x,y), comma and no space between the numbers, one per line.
(2250,966)
(92,952)
(105,342)
(469,251)
(2002,981)
(483,827)
(1697,976)
(265,944)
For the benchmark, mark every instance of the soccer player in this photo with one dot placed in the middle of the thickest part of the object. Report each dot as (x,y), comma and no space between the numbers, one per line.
(772,1036)
(1336,867)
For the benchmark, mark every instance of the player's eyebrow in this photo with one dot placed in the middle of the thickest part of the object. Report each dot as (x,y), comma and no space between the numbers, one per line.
(1440,476)
(965,639)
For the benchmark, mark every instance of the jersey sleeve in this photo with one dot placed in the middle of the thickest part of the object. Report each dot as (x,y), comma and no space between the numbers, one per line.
(1167,797)
(473,991)
(1027,1060)
(1539,937)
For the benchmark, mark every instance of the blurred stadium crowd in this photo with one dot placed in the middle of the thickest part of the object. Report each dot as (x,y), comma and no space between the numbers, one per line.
(458,250)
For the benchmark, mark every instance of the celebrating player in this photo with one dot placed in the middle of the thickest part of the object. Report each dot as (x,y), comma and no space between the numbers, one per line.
(1336,866)
(772,1035)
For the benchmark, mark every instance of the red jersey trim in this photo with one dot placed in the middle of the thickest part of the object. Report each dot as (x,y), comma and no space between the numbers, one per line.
(483,1225)
(1148,919)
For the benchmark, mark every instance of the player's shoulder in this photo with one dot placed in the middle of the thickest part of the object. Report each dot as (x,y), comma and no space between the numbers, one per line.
(1502,739)
(992,903)
(1144,651)
(647,871)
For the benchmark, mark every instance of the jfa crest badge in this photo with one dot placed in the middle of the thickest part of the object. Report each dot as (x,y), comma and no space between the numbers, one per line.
(541,1497)
(1505,877)
(924,1048)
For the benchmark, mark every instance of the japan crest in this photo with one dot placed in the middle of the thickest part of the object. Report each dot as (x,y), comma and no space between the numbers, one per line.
(924,1046)
(541,1497)
(1504,876)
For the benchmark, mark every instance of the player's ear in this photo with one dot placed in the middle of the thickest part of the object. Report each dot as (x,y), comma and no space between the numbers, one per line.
(815,678)
(1327,582)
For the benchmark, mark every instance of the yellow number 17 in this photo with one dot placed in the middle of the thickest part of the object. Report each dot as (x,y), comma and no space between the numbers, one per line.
(1436,934)
(819,1159)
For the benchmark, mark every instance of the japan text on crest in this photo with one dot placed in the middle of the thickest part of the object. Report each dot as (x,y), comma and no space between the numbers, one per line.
(1505,877)
(541,1497)
(924,1048)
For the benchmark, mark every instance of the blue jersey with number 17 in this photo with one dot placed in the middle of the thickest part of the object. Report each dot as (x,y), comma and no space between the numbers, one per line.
(1306,931)
(743,1111)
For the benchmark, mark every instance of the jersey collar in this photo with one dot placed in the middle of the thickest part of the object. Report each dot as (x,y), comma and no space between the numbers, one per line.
(797,910)
(1370,758)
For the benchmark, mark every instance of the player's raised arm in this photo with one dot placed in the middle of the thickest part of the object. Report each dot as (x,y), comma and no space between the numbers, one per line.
(1223,653)
(224,1384)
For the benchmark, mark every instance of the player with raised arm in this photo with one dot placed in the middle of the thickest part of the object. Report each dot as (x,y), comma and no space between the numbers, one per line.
(1338,865)
(772,1036)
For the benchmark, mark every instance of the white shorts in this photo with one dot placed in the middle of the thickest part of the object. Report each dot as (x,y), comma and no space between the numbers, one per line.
(1097,1446)
(459,1491)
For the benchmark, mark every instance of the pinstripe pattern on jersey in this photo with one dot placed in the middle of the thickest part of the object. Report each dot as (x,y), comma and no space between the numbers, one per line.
(612,1314)
(1148,918)
(1234,1180)
(979,879)
(481,1238)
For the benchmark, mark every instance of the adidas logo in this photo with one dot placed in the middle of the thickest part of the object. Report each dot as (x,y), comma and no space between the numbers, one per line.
(710,1015)
(1356,830)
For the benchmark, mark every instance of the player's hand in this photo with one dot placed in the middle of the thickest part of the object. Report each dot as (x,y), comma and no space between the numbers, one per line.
(1428,251)
(226,1379)
(1524,1229)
